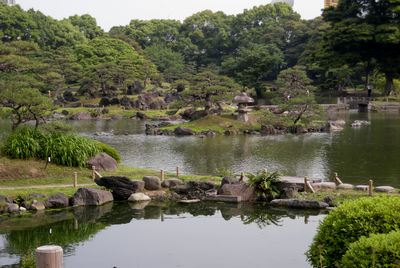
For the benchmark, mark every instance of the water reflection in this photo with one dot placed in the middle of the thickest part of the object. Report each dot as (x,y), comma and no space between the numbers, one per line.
(71,228)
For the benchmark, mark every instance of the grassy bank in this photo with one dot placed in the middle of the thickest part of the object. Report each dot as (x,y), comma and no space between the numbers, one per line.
(34,173)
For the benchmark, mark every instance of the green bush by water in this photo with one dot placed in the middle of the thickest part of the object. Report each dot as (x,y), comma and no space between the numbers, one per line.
(378,250)
(64,149)
(350,221)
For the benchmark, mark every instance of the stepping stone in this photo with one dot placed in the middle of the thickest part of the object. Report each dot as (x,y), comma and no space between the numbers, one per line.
(225,198)
(363,188)
(345,186)
(324,185)
(385,189)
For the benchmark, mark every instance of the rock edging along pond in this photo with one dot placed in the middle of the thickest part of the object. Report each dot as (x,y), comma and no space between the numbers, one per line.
(169,129)
(152,188)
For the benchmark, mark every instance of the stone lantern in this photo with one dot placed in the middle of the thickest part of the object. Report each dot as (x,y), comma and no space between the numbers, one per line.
(243,100)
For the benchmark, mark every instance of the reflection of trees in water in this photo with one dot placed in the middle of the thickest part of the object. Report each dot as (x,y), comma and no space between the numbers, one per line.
(68,228)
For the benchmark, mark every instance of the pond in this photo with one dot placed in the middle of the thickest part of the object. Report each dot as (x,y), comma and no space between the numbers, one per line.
(196,235)
(370,152)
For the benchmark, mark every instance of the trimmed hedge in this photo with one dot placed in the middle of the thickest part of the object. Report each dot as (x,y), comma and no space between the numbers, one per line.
(350,221)
(378,250)
(64,149)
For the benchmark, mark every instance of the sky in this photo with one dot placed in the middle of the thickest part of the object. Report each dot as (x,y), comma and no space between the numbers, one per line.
(110,13)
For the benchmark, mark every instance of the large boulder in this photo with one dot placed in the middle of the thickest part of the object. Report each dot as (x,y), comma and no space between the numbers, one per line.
(91,197)
(194,189)
(102,162)
(13,208)
(58,200)
(244,191)
(36,206)
(183,132)
(152,183)
(121,187)
(170,183)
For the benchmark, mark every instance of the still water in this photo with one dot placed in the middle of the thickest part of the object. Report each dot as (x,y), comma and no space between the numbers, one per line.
(370,152)
(191,236)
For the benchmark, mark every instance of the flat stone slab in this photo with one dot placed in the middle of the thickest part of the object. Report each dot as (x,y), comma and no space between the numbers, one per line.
(385,189)
(296,203)
(345,186)
(225,198)
(324,185)
(191,201)
(361,188)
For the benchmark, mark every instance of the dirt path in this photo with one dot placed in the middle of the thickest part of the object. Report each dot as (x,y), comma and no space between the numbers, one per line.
(45,186)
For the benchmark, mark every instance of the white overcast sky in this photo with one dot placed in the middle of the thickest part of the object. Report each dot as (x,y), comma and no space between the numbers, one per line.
(119,12)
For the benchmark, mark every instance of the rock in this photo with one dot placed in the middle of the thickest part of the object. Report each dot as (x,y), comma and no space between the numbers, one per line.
(267,130)
(22,209)
(171,183)
(385,189)
(227,180)
(139,197)
(230,132)
(103,162)
(191,201)
(152,183)
(183,132)
(333,126)
(82,116)
(91,197)
(289,192)
(324,185)
(141,116)
(330,201)
(244,191)
(122,187)
(192,114)
(36,206)
(194,189)
(13,208)
(297,129)
(59,200)
(360,123)
(361,188)
(69,96)
(345,186)
(295,203)
(125,102)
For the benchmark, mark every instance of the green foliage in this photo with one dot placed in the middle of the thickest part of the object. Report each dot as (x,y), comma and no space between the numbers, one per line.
(224,172)
(111,151)
(266,183)
(350,221)
(87,25)
(63,149)
(377,250)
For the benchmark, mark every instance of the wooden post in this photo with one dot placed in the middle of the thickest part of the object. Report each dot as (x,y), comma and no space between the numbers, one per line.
(49,257)
(241,176)
(162,175)
(49,92)
(307,186)
(75,182)
(93,172)
(337,179)
(370,187)
(177,172)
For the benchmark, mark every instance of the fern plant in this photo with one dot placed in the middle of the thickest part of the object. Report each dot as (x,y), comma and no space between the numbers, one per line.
(266,183)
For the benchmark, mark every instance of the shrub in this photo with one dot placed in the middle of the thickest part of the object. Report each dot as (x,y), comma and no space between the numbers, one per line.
(378,250)
(64,149)
(347,223)
(111,151)
(23,144)
(265,183)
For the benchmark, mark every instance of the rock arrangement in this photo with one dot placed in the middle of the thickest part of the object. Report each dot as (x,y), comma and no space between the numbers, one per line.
(152,188)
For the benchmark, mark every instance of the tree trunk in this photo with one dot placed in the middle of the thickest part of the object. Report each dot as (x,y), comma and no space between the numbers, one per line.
(389,84)
(208,104)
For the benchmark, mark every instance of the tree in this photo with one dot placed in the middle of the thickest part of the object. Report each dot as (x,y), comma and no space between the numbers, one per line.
(168,62)
(207,87)
(111,65)
(87,25)
(367,30)
(252,66)
(297,94)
